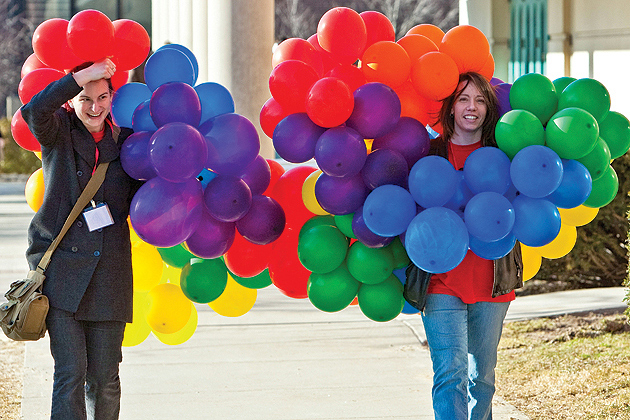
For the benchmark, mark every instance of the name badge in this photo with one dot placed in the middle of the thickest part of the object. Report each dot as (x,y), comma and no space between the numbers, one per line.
(98,216)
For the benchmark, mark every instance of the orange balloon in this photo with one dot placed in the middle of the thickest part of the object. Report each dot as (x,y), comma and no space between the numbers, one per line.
(417,46)
(386,62)
(34,190)
(435,75)
(412,105)
(487,70)
(468,46)
(432,32)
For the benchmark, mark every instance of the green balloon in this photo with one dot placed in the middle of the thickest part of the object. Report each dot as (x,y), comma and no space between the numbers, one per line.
(518,129)
(344,223)
(615,130)
(175,256)
(259,281)
(604,189)
(202,280)
(370,265)
(598,160)
(562,82)
(401,259)
(317,221)
(535,93)
(382,302)
(322,248)
(334,291)
(572,133)
(587,94)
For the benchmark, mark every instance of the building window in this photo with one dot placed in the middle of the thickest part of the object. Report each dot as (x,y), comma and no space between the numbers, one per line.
(528,41)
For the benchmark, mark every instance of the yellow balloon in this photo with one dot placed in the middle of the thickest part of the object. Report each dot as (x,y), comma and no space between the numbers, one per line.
(368,145)
(133,236)
(170,274)
(236,300)
(308,194)
(578,216)
(562,245)
(182,335)
(39,155)
(147,266)
(139,329)
(169,309)
(34,190)
(531,261)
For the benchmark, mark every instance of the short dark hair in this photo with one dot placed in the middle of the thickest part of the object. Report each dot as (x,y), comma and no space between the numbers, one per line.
(492,104)
(87,64)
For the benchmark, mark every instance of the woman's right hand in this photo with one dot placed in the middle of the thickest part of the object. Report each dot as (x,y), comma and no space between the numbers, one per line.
(103,69)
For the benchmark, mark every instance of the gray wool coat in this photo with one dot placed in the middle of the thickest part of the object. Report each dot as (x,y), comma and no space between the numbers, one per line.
(90,272)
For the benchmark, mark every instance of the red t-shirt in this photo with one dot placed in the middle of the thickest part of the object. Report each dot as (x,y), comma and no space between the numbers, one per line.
(473,278)
(98,136)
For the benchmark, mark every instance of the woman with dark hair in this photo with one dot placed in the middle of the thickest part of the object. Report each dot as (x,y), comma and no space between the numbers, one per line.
(465,307)
(89,279)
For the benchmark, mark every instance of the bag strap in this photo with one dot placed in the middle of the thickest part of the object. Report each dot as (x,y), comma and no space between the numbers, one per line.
(88,193)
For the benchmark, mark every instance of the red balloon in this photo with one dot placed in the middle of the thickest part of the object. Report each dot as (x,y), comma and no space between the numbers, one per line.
(350,74)
(51,46)
(329,102)
(276,172)
(468,46)
(327,61)
(378,27)
(30,64)
(119,78)
(131,44)
(342,32)
(22,135)
(246,259)
(35,81)
(285,269)
(270,115)
(288,193)
(290,82)
(298,49)
(91,35)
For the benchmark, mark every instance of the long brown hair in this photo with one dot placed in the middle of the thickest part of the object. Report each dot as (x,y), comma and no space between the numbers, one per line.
(492,104)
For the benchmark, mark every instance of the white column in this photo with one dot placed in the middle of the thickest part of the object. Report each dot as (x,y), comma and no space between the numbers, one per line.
(159,23)
(173,21)
(199,29)
(185,25)
(219,25)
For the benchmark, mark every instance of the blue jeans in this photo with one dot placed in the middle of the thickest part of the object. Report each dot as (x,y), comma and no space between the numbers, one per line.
(463,340)
(86,354)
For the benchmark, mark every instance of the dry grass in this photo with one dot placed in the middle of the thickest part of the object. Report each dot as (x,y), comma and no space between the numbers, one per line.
(571,367)
(11,376)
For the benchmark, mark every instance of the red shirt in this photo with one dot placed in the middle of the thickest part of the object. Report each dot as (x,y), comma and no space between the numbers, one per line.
(473,278)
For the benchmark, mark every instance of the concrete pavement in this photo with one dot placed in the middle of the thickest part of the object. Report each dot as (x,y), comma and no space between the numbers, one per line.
(282,360)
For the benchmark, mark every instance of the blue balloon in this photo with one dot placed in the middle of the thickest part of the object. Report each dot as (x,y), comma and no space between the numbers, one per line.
(295,137)
(487,169)
(432,181)
(188,53)
(401,275)
(141,120)
(126,100)
(492,250)
(365,235)
(168,65)
(388,209)
(134,156)
(575,187)
(489,216)
(215,100)
(437,240)
(460,198)
(536,171)
(376,110)
(537,220)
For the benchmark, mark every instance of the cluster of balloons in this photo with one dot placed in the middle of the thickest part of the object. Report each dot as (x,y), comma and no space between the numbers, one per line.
(205,179)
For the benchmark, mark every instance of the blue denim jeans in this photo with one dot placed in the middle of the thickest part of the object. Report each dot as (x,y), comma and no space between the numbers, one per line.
(463,340)
(86,354)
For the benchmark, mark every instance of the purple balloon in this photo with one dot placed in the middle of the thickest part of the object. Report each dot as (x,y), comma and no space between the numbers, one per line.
(340,152)
(232,143)
(264,222)
(365,235)
(134,156)
(227,198)
(503,95)
(165,213)
(175,102)
(385,166)
(495,81)
(212,238)
(376,110)
(141,119)
(339,196)
(295,136)
(409,138)
(257,175)
(177,151)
